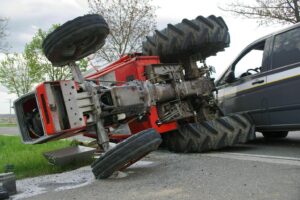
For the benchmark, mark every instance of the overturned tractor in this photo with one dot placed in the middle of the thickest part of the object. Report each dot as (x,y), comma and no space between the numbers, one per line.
(161,94)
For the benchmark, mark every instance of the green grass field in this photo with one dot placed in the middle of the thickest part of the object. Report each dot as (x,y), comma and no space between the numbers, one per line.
(28,160)
(7,125)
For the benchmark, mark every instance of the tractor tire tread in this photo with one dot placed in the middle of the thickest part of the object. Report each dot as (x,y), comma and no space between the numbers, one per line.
(91,25)
(201,37)
(210,135)
(131,149)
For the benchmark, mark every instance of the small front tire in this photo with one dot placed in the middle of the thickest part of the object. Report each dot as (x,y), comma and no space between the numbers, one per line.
(126,153)
(75,39)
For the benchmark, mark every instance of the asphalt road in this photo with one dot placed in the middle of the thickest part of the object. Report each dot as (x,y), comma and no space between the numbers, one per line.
(258,170)
(9,131)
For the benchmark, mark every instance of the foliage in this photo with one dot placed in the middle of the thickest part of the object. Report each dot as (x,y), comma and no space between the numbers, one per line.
(15,74)
(8,125)
(267,11)
(40,65)
(129,21)
(27,160)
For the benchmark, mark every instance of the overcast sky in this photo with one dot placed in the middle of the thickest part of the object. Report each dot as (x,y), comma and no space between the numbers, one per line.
(26,16)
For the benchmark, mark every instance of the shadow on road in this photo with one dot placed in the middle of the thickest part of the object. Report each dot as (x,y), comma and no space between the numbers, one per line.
(289,146)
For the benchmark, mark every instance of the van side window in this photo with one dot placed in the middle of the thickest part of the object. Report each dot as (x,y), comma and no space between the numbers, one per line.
(286,48)
(251,62)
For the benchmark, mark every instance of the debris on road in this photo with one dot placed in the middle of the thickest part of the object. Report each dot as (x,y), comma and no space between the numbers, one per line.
(8,182)
(67,155)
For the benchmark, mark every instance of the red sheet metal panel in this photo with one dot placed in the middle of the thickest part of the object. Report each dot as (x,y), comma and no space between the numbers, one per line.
(43,104)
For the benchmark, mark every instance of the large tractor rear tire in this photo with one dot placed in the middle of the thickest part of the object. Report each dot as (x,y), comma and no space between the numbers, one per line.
(201,37)
(75,39)
(210,135)
(126,153)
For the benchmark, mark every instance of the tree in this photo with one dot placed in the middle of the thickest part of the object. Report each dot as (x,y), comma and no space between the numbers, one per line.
(267,11)
(129,21)
(14,74)
(3,26)
(39,64)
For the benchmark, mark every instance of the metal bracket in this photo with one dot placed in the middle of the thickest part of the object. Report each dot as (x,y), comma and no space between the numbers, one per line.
(103,139)
(77,75)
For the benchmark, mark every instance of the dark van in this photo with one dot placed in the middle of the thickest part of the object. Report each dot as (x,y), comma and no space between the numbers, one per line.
(264,81)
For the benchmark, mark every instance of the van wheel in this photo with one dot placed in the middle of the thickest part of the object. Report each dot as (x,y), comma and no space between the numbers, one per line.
(271,135)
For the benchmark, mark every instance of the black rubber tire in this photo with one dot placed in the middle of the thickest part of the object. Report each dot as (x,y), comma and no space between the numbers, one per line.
(126,153)
(210,135)
(3,193)
(75,39)
(275,135)
(201,37)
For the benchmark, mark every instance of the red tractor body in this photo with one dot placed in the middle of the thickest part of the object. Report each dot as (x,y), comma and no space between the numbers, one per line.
(137,92)
(56,126)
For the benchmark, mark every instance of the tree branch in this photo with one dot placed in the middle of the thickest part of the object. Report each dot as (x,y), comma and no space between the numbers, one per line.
(267,11)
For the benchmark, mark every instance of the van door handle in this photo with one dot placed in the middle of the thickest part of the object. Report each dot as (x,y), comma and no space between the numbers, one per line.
(258,82)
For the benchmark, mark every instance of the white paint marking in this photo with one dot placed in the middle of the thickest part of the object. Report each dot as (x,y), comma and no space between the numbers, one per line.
(259,158)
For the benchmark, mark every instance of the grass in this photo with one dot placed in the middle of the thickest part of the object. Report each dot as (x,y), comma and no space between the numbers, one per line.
(8,125)
(27,160)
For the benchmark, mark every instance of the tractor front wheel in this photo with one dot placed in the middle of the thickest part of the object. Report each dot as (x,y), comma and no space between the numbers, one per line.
(126,153)
(75,39)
